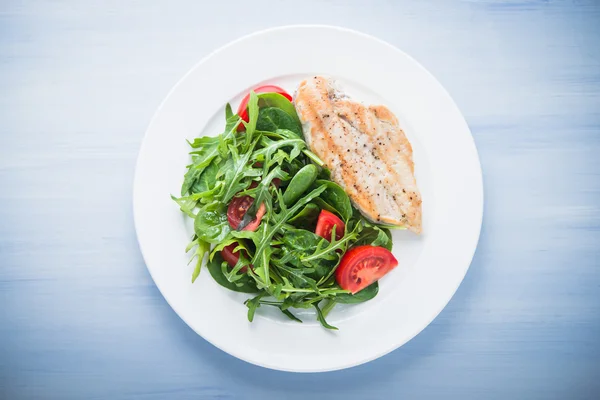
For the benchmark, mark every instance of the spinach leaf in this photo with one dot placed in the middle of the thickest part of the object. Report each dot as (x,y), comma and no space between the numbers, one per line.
(298,247)
(272,118)
(364,295)
(307,217)
(211,223)
(301,240)
(278,101)
(323,205)
(337,198)
(207,180)
(245,284)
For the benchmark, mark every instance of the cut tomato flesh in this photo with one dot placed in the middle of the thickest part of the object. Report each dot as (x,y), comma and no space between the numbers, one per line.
(363,265)
(325,225)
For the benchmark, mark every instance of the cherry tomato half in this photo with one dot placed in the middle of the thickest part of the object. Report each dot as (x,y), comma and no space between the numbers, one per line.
(243,108)
(238,208)
(232,257)
(363,265)
(325,224)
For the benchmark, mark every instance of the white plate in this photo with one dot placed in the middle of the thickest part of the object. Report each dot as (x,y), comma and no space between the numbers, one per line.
(432,265)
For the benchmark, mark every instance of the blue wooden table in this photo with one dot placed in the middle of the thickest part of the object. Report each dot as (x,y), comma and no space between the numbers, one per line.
(80,317)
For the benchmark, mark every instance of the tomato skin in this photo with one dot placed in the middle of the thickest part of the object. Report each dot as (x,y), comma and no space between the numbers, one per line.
(243,108)
(363,265)
(232,257)
(325,224)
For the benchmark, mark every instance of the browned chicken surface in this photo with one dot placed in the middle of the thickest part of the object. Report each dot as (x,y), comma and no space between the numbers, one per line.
(365,149)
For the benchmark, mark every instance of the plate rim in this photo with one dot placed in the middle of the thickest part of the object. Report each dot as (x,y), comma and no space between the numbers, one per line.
(135,186)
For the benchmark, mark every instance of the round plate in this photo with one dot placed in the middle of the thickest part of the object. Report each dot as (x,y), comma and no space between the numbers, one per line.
(431,266)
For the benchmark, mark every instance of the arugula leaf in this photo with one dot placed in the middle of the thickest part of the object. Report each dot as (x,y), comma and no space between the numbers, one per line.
(375,236)
(270,146)
(298,278)
(201,159)
(272,118)
(291,316)
(186,204)
(228,136)
(252,119)
(202,248)
(203,142)
(253,304)
(211,225)
(286,213)
(328,307)
(279,219)
(234,172)
(321,318)
(263,188)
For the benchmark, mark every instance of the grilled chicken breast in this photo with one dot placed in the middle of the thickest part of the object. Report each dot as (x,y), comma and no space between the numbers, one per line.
(365,149)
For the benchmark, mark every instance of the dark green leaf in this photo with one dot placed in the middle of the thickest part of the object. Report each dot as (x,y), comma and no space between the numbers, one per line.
(307,217)
(252,305)
(272,118)
(245,285)
(375,236)
(300,183)
(278,101)
(290,315)
(366,294)
(281,219)
(323,205)
(336,197)
(322,320)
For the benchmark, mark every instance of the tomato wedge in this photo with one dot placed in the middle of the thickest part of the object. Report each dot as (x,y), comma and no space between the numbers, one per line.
(243,108)
(363,265)
(232,257)
(325,224)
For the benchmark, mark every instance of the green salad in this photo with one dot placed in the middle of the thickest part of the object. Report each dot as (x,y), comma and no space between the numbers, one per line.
(269,221)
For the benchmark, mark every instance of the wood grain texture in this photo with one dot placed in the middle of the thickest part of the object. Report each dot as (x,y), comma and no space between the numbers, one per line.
(80,316)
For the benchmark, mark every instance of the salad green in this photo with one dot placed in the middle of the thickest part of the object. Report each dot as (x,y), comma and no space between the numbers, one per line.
(281,260)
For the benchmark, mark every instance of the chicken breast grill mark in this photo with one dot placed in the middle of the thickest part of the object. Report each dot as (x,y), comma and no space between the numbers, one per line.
(365,149)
